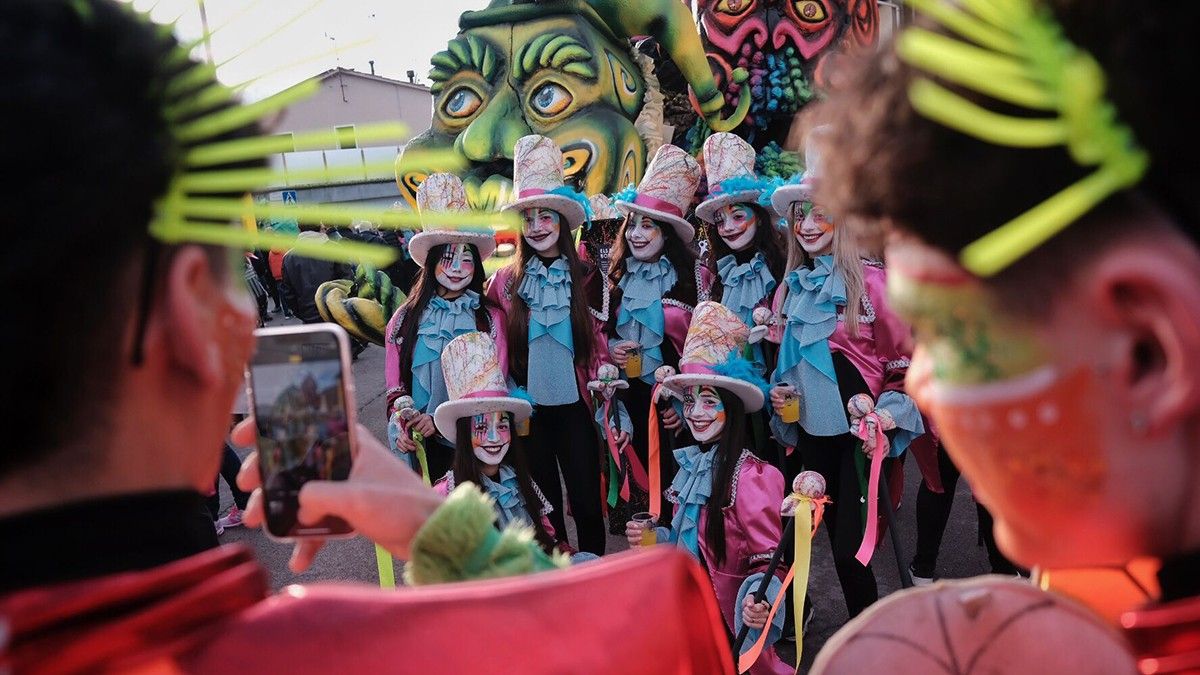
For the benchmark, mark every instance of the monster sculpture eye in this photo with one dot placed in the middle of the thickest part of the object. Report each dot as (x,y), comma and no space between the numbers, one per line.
(811,11)
(550,99)
(462,103)
(734,7)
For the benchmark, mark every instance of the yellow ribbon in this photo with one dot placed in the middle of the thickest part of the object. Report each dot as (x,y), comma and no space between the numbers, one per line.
(797,575)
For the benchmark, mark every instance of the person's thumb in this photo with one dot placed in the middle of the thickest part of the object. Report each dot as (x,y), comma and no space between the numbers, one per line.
(244,434)
(321,498)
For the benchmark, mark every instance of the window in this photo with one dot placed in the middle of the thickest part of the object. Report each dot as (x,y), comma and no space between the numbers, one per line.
(287,142)
(345,137)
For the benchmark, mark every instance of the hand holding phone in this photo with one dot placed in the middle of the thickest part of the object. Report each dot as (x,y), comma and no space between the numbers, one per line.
(302,396)
(384,500)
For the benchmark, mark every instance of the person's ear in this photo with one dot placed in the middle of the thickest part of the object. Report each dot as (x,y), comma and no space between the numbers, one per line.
(190,308)
(1151,295)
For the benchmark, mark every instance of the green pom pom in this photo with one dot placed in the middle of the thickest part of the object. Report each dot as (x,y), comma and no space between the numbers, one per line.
(460,542)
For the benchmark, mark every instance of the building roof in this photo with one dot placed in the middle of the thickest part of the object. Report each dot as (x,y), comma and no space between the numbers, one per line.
(368,76)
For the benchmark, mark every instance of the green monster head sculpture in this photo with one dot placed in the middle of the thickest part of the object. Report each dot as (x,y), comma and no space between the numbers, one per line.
(558,68)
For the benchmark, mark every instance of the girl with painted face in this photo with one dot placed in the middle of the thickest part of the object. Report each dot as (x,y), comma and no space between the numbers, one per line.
(653,277)
(446,302)
(837,339)
(725,501)
(553,332)
(747,249)
(480,421)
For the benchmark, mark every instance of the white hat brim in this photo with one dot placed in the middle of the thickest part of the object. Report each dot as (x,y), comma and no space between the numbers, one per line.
(751,396)
(786,195)
(446,417)
(707,209)
(682,227)
(569,208)
(420,245)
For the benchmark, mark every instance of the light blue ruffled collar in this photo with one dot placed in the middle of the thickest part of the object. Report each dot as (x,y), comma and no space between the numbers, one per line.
(468,301)
(536,267)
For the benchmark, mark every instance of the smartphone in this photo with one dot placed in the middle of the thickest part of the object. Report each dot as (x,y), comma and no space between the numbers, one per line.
(302,393)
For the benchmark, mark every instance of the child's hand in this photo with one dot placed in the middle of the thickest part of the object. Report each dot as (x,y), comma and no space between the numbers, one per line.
(754,614)
(633,533)
(671,419)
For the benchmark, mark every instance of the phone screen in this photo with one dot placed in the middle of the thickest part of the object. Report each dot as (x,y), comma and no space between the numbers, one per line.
(299,395)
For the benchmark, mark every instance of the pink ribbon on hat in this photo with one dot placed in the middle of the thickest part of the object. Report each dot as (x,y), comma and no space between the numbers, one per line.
(696,369)
(658,205)
(530,192)
(487,393)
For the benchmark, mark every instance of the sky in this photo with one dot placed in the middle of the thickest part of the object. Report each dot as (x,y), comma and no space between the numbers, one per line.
(282,42)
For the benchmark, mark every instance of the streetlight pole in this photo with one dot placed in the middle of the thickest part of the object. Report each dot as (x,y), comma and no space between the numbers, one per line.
(207,36)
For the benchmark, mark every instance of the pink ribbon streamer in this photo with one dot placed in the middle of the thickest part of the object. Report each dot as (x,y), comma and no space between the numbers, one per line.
(862,428)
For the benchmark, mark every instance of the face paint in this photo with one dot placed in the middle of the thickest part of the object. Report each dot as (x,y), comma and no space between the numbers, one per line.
(541,229)
(1027,434)
(704,413)
(1032,448)
(491,436)
(737,224)
(645,238)
(812,229)
(958,326)
(455,268)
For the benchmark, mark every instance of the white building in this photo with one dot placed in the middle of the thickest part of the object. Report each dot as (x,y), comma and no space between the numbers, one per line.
(346,99)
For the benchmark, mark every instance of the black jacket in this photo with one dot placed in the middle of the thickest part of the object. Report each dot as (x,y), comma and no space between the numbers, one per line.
(301,277)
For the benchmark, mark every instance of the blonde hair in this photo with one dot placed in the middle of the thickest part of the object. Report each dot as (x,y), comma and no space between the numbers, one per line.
(847,261)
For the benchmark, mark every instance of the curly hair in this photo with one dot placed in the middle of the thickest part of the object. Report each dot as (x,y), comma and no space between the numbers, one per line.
(884,162)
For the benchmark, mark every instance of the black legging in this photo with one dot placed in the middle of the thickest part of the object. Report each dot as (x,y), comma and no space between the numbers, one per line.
(563,437)
(933,512)
(833,458)
(230,465)
(439,457)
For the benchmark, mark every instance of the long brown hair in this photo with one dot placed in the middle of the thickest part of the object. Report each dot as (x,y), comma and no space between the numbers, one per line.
(681,255)
(729,449)
(422,292)
(766,241)
(847,261)
(466,469)
(518,314)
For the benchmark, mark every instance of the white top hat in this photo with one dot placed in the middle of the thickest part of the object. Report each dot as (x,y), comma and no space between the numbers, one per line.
(729,165)
(474,383)
(715,336)
(444,193)
(667,190)
(602,208)
(785,196)
(538,180)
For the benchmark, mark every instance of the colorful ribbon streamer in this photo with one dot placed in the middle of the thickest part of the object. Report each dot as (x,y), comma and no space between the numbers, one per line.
(870,428)
(809,512)
(653,453)
(387,573)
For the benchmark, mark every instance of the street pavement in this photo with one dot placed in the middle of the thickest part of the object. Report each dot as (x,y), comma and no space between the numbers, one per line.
(354,559)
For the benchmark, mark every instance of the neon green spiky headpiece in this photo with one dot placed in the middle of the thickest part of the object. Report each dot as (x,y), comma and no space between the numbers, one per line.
(198,206)
(1015,51)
